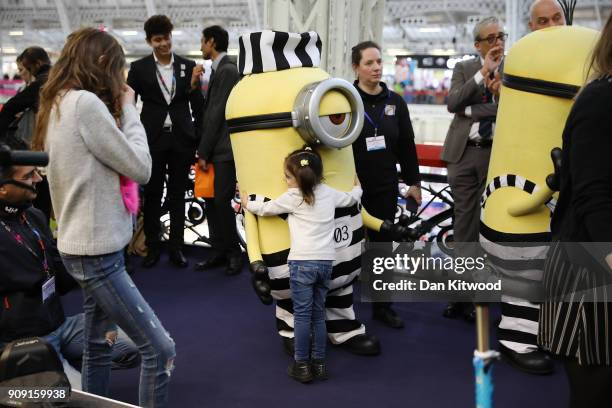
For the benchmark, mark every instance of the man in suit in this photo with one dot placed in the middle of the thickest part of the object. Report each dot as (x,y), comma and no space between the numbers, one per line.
(215,148)
(468,142)
(163,82)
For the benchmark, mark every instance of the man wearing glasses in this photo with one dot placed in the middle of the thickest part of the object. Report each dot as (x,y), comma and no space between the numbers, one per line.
(468,142)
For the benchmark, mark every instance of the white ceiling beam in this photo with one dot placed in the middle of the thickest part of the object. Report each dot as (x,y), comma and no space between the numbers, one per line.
(63,16)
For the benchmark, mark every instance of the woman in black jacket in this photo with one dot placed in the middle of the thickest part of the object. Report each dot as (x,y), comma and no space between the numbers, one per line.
(576,321)
(387,139)
(34,65)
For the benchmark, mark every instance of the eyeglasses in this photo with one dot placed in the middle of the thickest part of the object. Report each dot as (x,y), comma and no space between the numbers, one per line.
(491,38)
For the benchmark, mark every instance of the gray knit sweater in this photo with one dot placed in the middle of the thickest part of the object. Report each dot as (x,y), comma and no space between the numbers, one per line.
(87,153)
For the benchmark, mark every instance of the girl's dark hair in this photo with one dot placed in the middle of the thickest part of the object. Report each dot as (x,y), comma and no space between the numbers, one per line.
(156,25)
(33,59)
(306,166)
(356,50)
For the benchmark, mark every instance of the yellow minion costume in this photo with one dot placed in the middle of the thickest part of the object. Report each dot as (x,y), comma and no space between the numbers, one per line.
(283,102)
(542,73)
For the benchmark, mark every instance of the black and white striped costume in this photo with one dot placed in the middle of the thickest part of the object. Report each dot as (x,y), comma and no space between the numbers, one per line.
(340,315)
(508,253)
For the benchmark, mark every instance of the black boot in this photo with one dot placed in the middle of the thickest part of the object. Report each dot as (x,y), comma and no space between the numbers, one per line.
(363,345)
(319,369)
(300,371)
(534,362)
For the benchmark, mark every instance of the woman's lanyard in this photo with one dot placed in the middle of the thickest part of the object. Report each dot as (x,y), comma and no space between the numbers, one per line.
(377,124)
(22,242)
(161,80)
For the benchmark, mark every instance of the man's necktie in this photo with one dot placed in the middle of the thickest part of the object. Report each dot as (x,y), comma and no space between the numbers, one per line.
(485,127)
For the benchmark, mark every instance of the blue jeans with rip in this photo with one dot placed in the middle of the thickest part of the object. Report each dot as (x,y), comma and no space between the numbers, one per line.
(309,282)
(111,298)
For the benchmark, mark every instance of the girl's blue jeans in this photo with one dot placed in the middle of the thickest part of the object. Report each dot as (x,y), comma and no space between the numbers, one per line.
(309,281)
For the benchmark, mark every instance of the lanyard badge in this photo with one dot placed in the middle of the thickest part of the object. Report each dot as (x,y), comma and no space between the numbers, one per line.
(172,91)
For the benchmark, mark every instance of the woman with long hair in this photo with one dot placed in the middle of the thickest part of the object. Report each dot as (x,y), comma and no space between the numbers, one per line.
(18,113)
(575,324)
(88,123)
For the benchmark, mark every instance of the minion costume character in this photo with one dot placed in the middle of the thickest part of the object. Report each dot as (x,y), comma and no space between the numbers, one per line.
(284,101)
(542,74)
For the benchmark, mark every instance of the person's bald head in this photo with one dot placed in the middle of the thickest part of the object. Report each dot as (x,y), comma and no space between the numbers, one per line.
(545,13)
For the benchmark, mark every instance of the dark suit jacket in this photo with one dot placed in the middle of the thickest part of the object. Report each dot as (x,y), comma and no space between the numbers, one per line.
(214,141)
(143,79)
(464,92)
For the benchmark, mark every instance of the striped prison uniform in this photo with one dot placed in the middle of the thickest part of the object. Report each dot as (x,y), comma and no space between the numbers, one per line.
(516,256)
(341,321)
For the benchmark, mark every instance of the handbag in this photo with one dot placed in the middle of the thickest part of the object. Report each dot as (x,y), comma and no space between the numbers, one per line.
(23,126)
(204,182)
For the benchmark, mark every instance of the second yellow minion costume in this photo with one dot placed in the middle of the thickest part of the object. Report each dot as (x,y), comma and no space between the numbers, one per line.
(542,73)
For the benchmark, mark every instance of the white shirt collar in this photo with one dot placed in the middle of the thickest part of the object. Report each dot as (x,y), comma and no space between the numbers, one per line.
(159,63)
(216,61)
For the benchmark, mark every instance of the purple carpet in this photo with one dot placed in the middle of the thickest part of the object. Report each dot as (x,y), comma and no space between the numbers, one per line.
(229,354)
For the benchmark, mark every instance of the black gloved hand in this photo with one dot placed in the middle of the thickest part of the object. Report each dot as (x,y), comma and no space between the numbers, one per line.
(261,282)
(399,232)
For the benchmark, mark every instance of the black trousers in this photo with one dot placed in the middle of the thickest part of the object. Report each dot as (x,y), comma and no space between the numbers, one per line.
(43,198)
(590,386)
(220,214)
(381,205)
(176,164)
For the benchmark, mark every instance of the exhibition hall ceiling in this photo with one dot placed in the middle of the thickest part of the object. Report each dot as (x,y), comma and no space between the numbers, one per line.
(417,26)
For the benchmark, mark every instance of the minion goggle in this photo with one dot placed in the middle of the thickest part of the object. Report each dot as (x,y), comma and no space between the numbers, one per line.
(335,130)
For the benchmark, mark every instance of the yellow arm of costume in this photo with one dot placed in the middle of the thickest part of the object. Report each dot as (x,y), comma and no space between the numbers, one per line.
(252,237)
(531,204)
(370,221)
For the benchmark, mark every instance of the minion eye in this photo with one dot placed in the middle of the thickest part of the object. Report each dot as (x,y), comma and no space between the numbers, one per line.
(337,119)
(336,125)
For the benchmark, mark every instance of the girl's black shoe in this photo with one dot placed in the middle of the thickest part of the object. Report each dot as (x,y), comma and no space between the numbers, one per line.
(300,371)
(319,369)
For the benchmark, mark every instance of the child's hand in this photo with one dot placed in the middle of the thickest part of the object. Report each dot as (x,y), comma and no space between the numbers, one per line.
(244,199)
(357,183)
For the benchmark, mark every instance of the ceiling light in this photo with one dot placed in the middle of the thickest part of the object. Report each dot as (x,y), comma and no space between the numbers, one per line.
(129,33)
(430,29)
(15,33)
(177,33)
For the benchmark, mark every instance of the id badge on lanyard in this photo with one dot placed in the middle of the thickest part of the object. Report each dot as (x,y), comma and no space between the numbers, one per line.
(48,288)
(377,142)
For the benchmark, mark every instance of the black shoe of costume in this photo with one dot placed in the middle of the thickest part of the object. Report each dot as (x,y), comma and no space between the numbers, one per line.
(453,310)
(212,262)
(534,362)
(300,371)
(289,345)
(319,369)
(363,345)
(388,316)
(234,266)
(178,258)
(151,259)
